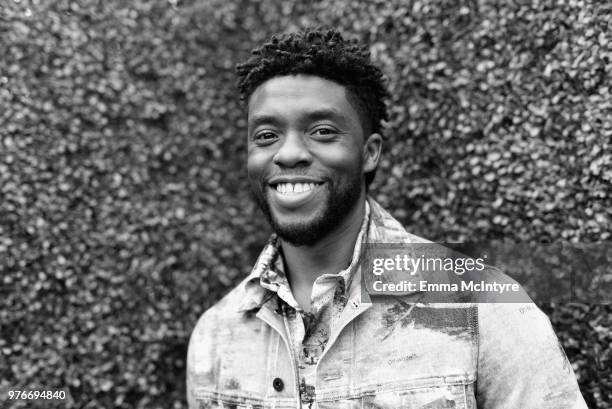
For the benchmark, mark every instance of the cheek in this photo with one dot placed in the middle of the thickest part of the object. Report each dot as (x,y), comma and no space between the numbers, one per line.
(256,165)
(342,161)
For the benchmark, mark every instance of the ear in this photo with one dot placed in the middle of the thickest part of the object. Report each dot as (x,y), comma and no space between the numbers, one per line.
(371,152)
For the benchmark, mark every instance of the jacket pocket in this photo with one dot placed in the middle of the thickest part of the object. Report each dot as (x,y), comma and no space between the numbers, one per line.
(432,397)
(433,394)
(438,395)
(216,400)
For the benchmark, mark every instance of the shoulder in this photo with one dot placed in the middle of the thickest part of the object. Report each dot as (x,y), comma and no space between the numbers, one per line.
(512,320)
(506,320)
(521,361)
(222,312)
(205,339)
(212,333)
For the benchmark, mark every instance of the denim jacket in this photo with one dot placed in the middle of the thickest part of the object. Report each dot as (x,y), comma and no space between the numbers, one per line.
(395,354)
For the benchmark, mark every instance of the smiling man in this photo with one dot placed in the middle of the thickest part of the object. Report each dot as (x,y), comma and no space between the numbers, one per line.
(297,332)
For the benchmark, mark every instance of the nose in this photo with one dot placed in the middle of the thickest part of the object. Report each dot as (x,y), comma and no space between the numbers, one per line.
(293,151)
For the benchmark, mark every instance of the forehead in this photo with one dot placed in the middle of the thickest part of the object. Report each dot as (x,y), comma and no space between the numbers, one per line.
(295,94)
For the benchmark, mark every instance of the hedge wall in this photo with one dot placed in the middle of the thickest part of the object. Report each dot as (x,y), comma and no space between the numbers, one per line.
(124,208)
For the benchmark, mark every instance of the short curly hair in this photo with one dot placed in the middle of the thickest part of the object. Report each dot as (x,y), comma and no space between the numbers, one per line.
(326,54)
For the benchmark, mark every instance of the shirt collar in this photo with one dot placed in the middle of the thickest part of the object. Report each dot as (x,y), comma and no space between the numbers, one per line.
(268,277)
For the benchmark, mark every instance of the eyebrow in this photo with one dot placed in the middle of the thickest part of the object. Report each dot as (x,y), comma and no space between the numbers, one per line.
(314,115)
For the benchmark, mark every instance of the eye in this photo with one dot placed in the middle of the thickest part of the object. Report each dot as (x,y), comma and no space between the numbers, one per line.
(264,137)
(324,132)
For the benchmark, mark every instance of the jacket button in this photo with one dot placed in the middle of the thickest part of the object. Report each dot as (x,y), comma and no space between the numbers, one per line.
(278,384)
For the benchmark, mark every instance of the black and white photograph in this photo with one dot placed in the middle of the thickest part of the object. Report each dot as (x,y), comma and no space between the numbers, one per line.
(401,204)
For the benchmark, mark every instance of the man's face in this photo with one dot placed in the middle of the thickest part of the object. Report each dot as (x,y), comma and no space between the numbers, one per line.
(306,155)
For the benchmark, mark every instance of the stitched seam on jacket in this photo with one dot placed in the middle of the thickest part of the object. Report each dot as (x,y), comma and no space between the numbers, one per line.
(368,390)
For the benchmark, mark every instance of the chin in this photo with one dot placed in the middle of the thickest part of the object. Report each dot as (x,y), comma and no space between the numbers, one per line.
(301,232)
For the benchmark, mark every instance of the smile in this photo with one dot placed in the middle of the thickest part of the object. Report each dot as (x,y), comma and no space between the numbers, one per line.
(292,194)
(294,188)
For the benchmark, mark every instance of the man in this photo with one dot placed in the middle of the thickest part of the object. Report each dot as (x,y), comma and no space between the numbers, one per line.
(297,331)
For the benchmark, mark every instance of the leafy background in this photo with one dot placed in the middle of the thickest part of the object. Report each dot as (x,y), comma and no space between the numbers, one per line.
(124,210)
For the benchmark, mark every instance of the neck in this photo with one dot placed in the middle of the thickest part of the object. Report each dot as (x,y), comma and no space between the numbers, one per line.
(331,254)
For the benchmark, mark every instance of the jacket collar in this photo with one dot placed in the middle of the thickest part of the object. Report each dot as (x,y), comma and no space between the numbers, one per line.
(382,228)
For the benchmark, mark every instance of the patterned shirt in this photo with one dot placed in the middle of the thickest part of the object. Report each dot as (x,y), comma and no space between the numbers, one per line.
(308,332)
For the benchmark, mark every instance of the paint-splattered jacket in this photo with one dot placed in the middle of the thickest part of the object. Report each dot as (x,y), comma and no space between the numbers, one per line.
(381,355)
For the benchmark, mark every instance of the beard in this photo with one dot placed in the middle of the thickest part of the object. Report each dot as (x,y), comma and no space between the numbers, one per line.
(339,201)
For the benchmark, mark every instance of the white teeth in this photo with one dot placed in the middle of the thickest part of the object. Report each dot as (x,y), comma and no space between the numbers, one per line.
(294,187)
